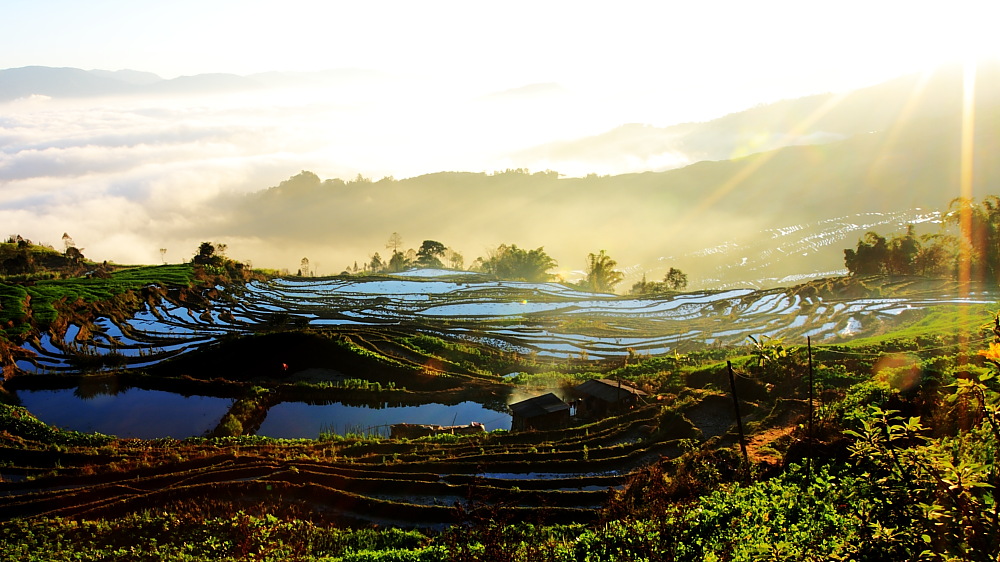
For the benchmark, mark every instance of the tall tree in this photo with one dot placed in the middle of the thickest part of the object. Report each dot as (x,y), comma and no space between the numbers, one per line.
(206,253)
(511,262)
(395,242)
(601,273)
(455,259)
(397,262)
(979,232)
(430,253)
(937,255)
(900,252)
(675,279)
(869,258)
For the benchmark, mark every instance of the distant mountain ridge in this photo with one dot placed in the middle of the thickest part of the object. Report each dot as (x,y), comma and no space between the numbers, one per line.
(785,213)
(770,193)
(816,119)
(76,83)
(809,120)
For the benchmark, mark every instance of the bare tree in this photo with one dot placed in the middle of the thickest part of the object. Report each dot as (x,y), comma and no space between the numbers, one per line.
(395,242)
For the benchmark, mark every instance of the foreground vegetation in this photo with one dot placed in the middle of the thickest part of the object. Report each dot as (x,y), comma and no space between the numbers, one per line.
(899,468)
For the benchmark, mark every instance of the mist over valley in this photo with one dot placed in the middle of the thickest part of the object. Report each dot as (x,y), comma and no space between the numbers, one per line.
(326,165)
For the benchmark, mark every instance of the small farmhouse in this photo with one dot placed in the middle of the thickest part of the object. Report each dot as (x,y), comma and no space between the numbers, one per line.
(541,412)
(603,397)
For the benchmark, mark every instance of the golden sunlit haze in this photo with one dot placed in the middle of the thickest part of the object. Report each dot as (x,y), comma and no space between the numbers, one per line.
(402,89)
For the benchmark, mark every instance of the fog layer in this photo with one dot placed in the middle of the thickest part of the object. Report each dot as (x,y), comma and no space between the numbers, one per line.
(131,174)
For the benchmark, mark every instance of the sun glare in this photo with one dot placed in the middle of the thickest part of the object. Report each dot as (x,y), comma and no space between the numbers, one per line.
(966,170)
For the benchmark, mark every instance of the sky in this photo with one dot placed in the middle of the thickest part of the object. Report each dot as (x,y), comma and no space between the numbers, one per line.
(698,57)
(453,94)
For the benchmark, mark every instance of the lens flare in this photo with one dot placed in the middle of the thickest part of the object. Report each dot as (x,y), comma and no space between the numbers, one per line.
(901,370)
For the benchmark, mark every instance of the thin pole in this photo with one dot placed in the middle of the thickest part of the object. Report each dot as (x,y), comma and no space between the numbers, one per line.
(811,393)
(736,407)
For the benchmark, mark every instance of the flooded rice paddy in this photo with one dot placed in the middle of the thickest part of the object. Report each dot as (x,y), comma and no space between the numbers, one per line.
(144,414)
(298,419)
(548,319)
(149,414)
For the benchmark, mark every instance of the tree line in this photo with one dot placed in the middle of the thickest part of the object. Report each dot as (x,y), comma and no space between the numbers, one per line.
(507,262)
(975,248)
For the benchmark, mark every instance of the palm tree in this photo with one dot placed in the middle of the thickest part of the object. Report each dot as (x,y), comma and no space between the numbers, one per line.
(979,231)
(601,273)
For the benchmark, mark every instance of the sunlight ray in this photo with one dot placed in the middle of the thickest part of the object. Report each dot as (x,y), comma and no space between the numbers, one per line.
(755,163)
(905,114)
(966,168)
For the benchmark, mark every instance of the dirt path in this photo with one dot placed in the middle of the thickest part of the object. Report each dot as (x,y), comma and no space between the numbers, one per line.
(759,447)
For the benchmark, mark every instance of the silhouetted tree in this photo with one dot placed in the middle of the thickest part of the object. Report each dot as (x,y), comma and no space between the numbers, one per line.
(395,242)
(376,264)
(601,273)
(642,287)
(398,262)
(455,259)
(900,252)
(430,253)
(979,232)
(74,255)
(675,279)
(937,255)
(511,262)
(869,258)
(360,180)
(205,255)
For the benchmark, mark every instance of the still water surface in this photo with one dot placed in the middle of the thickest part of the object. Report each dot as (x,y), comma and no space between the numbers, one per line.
(149,414)
(146,414)
(298,419)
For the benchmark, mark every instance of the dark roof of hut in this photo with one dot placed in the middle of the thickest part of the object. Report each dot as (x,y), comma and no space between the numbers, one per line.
(538,406)
(608,390)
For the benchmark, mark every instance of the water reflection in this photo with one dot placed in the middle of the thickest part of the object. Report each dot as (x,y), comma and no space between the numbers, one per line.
(299,419)
(145,414)
(149,414)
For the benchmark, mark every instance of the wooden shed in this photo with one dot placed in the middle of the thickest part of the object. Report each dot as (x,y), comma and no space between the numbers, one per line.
(541,412)
(600,398)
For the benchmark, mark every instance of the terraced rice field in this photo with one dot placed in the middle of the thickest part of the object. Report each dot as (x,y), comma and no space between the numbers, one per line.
(546,319)
(555,476)
(559,475)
